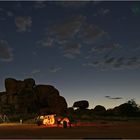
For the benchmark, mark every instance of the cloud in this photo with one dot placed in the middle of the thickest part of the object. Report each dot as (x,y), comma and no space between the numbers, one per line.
(73,4)
(87,57)
(71,49)
(115,62)
(132,61)
(4,14)
(10,14)
(102,12)
(71,34)
(123,62)
(104,47)
(23,23)
(64,34)
(113,98)
(119,62)
(68,28)
(135,9)
(105,11)
(91,32)
(107,96)
(46,42)
(5,51)
(92,64)
(112,56)
(70,56)
(109,60)
(39,4)
(18,4)
(55,69)
(123,18)
(36,71)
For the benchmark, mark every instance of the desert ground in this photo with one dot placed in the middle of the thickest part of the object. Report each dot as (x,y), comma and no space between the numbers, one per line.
(102,129)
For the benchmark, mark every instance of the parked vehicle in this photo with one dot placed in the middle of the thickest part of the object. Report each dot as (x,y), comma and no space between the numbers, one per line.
(46,120)
(53,120)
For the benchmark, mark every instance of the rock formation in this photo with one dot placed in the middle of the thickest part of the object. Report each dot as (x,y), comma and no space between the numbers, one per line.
(99,110)
(83,104)
(25,97)
(11,85)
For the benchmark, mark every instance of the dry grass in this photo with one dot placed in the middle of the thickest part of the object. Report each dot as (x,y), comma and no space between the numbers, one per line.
(100,129)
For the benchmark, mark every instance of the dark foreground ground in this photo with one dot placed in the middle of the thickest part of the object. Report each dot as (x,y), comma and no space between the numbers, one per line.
(120,130)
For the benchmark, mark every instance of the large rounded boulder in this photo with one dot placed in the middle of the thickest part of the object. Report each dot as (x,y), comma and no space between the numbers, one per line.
(83,104)
(43,92)
(99,109)
(58,105)
(11,85)
(49,99)
(30,83)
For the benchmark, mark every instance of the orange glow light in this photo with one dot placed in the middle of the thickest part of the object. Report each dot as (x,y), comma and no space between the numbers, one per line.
(49,120)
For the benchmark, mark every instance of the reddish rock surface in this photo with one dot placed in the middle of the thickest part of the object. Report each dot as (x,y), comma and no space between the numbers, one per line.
(25,97)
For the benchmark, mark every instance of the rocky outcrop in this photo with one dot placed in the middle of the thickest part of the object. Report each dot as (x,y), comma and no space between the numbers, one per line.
(83,104)
(99,110)
(29,83)
(24,97)
(11,85)
(49,99)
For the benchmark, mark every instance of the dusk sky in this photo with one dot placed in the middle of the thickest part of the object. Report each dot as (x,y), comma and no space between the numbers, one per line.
(88,50)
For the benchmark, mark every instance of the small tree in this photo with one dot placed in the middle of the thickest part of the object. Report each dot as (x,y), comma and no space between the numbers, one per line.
(130,108)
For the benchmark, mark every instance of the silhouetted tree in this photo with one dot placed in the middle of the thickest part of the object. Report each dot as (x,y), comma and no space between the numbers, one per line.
(130,108)
(133,103)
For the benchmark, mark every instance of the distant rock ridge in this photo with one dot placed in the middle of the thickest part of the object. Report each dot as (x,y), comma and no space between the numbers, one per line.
(25,97)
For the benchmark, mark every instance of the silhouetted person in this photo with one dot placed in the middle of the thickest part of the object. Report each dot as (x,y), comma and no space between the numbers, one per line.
(64,124)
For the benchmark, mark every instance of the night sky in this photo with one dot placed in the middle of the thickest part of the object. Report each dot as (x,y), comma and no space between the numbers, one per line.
(88,50)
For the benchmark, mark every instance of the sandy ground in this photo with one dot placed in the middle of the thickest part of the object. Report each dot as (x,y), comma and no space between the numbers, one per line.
(120,130)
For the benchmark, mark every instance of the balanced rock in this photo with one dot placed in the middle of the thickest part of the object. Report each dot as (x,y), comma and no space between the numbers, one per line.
(83,104)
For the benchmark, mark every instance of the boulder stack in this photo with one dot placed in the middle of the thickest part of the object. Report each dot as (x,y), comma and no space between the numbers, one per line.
(25,97)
